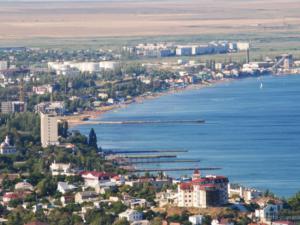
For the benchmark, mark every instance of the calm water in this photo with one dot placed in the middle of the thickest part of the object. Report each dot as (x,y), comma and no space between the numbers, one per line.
(252,133)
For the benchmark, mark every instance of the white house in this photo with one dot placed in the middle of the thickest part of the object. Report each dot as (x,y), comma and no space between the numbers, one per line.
(268,213)
(196,219)
(94,178)
(136,202)
(61,169)
(167,197)
(221,222)
(6,148)
(248,194)
(131,215)
(118,180)
(86,196)
(140,222)
(24,186)
(64,187)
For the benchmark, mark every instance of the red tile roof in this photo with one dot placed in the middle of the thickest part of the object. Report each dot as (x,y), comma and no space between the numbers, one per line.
(204,182)
(186,186)
(11,195)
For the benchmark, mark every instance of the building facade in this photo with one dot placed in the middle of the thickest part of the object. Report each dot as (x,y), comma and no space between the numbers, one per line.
(13,107)
(6,148)
(49,130)
(203,192)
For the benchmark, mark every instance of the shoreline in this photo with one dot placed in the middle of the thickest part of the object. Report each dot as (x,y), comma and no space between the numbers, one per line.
(81,119)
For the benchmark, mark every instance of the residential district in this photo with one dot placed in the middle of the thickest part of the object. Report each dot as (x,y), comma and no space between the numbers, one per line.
(52,174)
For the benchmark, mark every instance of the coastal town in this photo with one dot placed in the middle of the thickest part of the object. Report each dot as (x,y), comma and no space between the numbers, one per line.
(50,173)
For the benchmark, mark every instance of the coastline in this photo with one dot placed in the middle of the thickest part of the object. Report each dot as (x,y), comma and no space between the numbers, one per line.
(81,119)
(245,182)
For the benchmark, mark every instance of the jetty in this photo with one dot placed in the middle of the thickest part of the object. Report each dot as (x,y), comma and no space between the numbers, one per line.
(160,161)
(133,161)
(134,170)
(116,152)
(148,156)
(141,122)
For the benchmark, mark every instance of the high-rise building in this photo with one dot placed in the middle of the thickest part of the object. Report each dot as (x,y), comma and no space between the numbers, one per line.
(49,129)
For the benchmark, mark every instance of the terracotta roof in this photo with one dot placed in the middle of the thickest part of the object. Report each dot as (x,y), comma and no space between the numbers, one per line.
(204,182)
(11,195)
(186,186)
(207,186)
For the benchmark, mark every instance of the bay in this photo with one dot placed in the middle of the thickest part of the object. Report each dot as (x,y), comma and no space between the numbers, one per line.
(251,132)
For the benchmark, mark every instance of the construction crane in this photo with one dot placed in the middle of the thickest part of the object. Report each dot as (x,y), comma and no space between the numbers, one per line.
(22,91)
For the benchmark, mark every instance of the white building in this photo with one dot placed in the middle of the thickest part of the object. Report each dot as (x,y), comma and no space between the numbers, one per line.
(23,186)
(248,194)
(267,213)
(3,65)
(56,108)
(144,222)
(70,68)
(108,65)
(43,89)
(222,222)
(196,219)
(86,196)
(243,46)
(131,215)
(201,49)
(61,169)
(64,187)
(165,198)
(95,179)
(49,129)
(182,50)
(269,209)
(203,192)
(6,148)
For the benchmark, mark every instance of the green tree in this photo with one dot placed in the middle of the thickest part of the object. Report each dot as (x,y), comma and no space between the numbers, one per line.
(294,202)
(121,222)
(156,221)
(93,138)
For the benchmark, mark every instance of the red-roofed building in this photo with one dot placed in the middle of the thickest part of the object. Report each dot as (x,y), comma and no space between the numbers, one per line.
(203,192)
(9,196)
(94,178)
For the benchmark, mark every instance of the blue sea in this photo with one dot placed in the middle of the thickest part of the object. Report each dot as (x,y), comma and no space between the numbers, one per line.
(252,131)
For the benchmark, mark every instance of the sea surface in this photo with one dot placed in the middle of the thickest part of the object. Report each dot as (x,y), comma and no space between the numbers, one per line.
(252,131)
